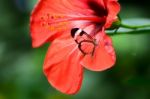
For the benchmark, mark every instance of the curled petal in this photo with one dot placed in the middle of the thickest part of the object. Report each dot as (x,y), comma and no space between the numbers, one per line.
(103,57)
(113,8)
(62,67)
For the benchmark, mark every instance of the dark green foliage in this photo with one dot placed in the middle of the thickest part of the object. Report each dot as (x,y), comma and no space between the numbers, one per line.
(21,75)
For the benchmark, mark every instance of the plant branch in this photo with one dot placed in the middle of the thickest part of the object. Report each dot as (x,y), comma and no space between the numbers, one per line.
(141,31)
(133,27)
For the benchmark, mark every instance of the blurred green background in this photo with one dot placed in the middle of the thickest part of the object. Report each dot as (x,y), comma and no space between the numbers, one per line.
(21,75)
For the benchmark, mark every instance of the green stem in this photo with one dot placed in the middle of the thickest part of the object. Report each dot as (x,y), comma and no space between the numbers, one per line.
(147,31)
(133,27)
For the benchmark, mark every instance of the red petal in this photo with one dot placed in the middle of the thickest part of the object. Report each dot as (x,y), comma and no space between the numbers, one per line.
(113,8)
(53,18)
(103,58)
(62,67)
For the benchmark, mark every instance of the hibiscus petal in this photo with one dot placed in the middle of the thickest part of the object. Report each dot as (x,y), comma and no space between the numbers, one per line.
(113,8)
(62,67)
(103,58)
(53,18)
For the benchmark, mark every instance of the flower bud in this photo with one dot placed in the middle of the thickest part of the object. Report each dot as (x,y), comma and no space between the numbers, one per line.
(115,25)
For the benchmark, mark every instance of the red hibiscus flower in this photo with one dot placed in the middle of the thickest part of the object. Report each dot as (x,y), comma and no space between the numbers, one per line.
(76,29)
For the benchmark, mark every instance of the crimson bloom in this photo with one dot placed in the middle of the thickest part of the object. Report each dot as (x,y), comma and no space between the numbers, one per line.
(76,29)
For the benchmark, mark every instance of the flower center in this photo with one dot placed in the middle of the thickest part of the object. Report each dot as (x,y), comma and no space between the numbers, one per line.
(98,8)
